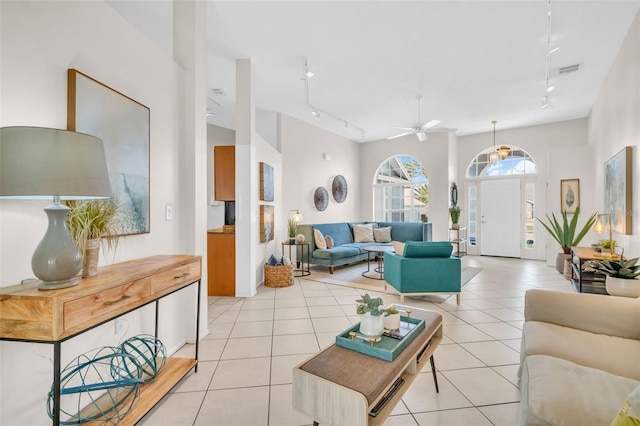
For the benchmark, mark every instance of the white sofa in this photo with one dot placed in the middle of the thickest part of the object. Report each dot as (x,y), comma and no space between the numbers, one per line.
(580,357)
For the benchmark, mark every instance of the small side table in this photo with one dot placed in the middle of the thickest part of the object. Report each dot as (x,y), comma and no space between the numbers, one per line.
(299,272)
(379,250)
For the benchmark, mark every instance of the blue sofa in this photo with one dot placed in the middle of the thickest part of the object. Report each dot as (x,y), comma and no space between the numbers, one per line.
(423,268)
(345,250)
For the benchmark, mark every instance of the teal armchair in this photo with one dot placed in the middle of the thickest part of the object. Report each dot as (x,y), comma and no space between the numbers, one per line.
(423,267)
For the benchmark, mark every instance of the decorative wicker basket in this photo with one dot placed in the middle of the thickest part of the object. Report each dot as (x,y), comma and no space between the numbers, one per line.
(278,276)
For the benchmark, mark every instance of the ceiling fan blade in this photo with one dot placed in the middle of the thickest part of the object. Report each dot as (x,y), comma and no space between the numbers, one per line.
(404,128)
(431,124)
(421,136)
(401,134)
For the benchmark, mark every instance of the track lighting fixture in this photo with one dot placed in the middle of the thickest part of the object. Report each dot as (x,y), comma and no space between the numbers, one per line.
(550,50)
(315,111)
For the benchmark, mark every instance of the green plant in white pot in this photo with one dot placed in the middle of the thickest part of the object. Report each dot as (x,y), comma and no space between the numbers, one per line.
(92,223)
(371,315)
(391,318)
(622,276)
(567,234)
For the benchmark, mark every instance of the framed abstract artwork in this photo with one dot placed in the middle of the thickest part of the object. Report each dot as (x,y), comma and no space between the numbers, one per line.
(266,223)
(569,195)
(617,190)
(266,182)
(123,125)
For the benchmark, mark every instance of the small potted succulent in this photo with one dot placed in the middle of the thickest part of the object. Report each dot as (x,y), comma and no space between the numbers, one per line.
(371,315)
(622,275)
(391,318)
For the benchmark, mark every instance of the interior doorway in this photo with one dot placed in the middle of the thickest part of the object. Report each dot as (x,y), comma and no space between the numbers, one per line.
(500,217)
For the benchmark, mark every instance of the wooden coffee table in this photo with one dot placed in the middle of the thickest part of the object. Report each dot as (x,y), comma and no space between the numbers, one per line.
(339,386)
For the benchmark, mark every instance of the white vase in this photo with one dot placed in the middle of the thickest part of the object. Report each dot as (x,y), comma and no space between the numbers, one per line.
(621,287)
(392,321)
(371,326)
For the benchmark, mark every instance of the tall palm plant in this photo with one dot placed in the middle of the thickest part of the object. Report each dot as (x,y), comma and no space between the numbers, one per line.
(565,233)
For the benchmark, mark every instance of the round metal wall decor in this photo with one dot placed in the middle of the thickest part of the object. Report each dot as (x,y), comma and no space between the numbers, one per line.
(454,194)
(339,189)
(321,198)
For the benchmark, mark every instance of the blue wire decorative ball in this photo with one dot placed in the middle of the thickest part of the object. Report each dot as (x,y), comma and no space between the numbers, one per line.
(96,385)
(149,352)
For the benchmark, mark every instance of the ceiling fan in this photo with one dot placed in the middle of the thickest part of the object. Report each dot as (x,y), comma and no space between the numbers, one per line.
(421,130)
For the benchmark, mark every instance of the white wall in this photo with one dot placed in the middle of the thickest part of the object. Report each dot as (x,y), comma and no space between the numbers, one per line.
(303,170)
(435,156)
(539,142)
(614,123)
(40,41)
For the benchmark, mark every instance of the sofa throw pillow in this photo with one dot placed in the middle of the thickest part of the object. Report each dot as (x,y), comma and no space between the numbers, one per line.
(382,235)
(329,241)
(629,415)
(363,233)
(319,238)
(398,247)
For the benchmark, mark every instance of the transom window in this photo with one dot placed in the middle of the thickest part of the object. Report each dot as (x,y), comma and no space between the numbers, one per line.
(516,162)
(401,190)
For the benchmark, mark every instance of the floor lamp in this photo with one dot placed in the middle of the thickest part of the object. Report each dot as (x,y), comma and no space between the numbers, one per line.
(39,163)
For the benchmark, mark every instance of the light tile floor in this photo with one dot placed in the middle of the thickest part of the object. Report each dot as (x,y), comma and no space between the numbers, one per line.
(244,375)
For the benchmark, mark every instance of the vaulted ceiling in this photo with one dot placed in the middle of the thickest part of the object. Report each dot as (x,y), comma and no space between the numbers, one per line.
(471,61)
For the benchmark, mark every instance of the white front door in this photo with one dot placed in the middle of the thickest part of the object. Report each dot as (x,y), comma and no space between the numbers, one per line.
(500,217)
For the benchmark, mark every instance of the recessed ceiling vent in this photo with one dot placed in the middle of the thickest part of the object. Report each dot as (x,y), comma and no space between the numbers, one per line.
(568,69)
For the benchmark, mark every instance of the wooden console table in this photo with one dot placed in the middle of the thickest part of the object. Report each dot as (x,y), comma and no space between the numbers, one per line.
(588,281)
(31,315)
(339,386)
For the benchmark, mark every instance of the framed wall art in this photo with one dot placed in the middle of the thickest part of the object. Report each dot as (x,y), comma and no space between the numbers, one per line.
(569,195)
(617,190)
(266,182)
(266,223)
(123,125)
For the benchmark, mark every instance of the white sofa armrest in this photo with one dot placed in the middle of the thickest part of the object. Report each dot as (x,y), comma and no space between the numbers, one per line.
(610,315)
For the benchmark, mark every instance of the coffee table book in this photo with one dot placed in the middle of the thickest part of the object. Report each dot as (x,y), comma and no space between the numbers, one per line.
(388,348)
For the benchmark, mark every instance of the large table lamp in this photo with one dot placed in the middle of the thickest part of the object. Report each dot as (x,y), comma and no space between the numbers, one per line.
(600,228)
(41,163)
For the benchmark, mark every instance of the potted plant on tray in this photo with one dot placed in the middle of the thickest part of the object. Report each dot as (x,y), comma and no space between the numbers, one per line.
(622,275)
(92,223)
(371,315)
(565,235)
(391,318)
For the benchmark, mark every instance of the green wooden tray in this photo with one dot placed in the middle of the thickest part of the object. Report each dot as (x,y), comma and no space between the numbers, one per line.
(387,348)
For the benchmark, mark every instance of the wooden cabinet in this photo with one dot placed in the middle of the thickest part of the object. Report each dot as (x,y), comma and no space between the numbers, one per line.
(221,264)
(31,315)
(224,172)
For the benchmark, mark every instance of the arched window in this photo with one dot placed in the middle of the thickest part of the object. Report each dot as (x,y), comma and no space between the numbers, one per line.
(514,162)
(401,190)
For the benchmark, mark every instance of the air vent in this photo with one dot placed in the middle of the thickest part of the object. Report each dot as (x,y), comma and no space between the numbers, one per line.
(568,69)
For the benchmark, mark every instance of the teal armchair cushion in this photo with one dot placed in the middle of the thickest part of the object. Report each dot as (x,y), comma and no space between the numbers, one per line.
(436,271)
(427,249)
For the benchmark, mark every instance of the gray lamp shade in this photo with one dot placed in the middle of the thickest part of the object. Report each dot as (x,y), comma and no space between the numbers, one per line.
(41,163)
(38,163)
